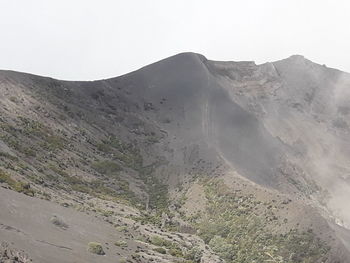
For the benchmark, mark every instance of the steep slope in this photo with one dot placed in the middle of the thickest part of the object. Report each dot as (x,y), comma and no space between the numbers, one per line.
(33,225)
(183,141)
(305,106)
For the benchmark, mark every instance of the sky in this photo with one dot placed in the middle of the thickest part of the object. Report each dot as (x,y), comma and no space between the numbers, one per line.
(97,39)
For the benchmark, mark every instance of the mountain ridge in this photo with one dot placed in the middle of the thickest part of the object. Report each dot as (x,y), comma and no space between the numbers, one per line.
(261,145)
(189,54)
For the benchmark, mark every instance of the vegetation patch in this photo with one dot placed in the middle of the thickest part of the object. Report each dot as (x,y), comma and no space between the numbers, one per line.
(157,192)
(173,248)
(238,233)
(160,250)
(8,156)
(121,243)
(123,229)
(95,248)
(53,142)
(58,222)
(194,254)
(160,242)
(127,153)
(106,167)
(17,186)
(152,139)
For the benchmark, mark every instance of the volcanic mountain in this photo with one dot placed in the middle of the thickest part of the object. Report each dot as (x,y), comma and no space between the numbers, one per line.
(184,160)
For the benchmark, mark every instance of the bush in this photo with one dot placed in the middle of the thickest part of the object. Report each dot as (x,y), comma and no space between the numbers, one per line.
(222,248)
(17,186)
(176,252)
(58,222)
(53,142)
(160,242)
(194,254)
(160,250)
(106,167)
(95,248)
(237,234)
(103,147)
(122,229)
(5,178)
(13,99)
(121,243)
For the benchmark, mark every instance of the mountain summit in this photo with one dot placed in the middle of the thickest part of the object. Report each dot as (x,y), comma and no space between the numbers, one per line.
(184,160)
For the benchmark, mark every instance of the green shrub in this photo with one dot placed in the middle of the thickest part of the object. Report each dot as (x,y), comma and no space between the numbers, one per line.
(106,167)
(176,252)
(222,248)
(8,156)
(17,186)
(160,242)
(194,254)
(29,152)
(58,222)
(152,140)
(237,233)
(53,142)
(24,188)
(6,178)
(57,170)
(13,99)
(127,153)
(160,250)
(95,248)
(122,229)
(103,147)
(121,243)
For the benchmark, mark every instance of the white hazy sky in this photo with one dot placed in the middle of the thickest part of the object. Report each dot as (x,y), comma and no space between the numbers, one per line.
(94,39)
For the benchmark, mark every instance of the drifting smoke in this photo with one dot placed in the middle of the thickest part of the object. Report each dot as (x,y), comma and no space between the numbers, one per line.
(336,166)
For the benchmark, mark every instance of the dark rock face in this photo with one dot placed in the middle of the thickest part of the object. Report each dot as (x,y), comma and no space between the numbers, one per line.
(201,111)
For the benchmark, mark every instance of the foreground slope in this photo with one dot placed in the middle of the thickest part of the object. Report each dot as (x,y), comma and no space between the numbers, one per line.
(249,159)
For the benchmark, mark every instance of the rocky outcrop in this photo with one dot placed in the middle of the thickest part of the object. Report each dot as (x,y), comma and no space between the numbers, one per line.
(12,255)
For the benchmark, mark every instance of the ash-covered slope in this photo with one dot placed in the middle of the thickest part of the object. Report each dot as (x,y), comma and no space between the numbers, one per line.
(198,111)
(265,143)
(305,106)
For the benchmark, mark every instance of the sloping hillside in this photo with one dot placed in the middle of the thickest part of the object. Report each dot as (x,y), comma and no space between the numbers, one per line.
(186,159)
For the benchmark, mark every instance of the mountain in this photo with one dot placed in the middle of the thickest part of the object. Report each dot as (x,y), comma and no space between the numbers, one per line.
(184,160)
